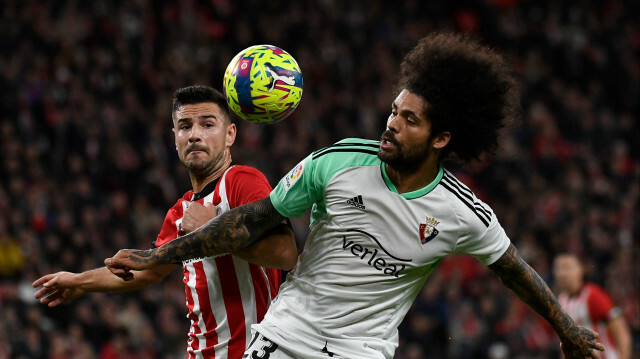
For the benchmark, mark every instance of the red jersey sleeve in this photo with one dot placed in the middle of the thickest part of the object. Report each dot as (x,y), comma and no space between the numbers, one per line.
(599,304)
(170,229)
(246,185)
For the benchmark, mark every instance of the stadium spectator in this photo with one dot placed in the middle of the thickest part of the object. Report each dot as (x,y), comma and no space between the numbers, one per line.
(589,305)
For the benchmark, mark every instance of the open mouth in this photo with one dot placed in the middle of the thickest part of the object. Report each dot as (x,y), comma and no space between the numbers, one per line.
(387,142)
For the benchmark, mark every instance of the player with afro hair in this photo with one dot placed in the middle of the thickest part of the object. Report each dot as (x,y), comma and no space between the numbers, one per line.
(469,89)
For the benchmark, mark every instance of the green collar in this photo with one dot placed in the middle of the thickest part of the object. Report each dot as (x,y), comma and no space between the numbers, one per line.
(413,194)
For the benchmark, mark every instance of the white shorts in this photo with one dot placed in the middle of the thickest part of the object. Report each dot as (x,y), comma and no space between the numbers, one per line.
(261,347)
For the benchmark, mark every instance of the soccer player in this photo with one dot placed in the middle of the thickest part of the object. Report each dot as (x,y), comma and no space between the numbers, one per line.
(589,305)
(227,294)
(384,214)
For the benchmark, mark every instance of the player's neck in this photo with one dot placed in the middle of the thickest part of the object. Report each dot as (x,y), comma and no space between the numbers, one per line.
(199,183)
(413,180)
(576,290)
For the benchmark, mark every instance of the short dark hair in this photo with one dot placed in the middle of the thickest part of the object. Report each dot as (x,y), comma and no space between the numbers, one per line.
(469,90)
(198,94)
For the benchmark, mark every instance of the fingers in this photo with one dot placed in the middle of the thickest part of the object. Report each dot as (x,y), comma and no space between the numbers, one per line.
(194,205)
(119,261)
(192,217)
(42,280)
(44,292)
(50,297)
(55,299)
(596,345)
(130,259)
(122,273)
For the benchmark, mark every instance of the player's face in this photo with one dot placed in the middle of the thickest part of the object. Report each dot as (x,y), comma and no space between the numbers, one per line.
(203,137)
(568,273)
(406,143)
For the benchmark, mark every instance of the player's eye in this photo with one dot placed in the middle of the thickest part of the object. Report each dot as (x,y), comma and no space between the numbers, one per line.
(185,127)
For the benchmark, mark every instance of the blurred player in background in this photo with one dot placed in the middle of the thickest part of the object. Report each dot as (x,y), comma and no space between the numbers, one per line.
(227,294)
(590,306)
(384,214)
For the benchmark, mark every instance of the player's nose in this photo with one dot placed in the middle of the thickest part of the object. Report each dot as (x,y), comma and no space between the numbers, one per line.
(195,135)
(393,123)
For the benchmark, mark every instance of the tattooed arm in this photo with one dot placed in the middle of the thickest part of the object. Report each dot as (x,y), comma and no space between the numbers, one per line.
(516,274)
(228,232)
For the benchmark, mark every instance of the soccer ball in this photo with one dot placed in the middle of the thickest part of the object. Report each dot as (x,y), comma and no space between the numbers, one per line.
(263,84)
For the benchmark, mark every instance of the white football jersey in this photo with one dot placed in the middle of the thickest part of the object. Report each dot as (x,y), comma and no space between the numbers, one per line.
(369,251)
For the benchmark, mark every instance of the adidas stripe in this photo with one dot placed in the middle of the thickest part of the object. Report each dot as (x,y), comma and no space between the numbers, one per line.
(370,148)
(465,195)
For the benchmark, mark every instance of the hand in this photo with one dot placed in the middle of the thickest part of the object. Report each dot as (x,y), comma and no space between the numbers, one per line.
(580,343)
(131,259)
(58,288)
(196,215)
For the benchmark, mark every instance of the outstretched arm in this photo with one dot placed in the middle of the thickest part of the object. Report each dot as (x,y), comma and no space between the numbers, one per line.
(61,287)
(621,336)
(515,273)
(226,233)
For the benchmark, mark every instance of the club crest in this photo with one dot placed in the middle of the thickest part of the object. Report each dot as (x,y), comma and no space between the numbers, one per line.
(428,230)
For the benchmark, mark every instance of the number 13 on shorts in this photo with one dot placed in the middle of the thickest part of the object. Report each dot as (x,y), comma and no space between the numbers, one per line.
(262,348)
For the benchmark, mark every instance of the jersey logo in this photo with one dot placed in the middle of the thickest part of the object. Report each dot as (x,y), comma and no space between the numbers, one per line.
(326,351)
(428,231)
(356,202)
(381,259)
(293,176)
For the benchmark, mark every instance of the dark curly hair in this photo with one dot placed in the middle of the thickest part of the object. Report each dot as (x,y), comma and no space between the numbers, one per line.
(469,90)
(194,94)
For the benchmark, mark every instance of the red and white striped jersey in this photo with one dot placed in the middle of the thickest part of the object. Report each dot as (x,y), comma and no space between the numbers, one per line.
(225,295)
(592,308)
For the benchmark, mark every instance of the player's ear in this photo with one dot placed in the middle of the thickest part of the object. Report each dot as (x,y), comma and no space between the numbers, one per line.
(440,140)
(231,134)
(175,139)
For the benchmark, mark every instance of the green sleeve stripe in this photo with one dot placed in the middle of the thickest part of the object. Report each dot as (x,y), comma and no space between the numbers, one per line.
(361,150)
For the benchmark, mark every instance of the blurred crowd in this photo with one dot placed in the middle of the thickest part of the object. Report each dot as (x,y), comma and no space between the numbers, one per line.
(88,164)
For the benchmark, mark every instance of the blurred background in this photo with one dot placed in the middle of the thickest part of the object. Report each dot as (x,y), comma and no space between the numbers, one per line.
(88,164)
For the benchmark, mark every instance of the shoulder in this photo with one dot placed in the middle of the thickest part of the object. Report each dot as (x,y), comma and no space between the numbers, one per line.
(244,184)
(349,147)
(349,152)
(595,291)
(599,303)
(242,169)
(240,172)
(463,200)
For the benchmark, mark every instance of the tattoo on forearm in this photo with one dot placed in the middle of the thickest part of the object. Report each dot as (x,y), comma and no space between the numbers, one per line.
(230,231)
(516,274)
